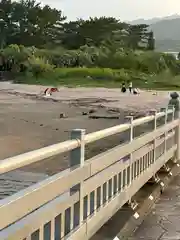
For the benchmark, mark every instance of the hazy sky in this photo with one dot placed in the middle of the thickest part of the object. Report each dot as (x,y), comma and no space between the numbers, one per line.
(123,9)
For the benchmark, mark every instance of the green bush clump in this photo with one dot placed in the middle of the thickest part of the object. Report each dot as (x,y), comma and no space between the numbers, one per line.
(84,72)
(40,68)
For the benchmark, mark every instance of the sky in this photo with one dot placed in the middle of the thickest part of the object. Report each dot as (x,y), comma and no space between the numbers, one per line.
(121,9)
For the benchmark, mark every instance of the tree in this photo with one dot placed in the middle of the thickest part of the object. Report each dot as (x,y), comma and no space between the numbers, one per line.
(29,24)
(151,41)
(72,38)
(137,36)
(91,32)
(7,26)
(50,26)
(178,56)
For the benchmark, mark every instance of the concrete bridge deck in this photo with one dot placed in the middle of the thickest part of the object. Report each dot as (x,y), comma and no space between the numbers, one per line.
(163,222)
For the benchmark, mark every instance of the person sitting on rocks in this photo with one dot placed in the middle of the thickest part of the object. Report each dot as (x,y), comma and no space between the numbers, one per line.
(49,91)
(135,91)
(174,101)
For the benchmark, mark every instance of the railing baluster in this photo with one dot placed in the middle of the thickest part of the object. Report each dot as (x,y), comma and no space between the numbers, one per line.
(124,178)
(149,159)
(101,195)
(112,189)
(144,162)
(141,164)
(88,205)
(120,182)
(95,200)
(128,175)
(107,192)
(47,231)
(138,167)
(115,185)
(72,218)
(135,169)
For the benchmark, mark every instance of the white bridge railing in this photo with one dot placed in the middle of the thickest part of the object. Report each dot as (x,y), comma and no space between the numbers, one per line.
(75,203)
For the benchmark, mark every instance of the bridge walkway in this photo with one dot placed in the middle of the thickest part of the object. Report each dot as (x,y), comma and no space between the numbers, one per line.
(163,222)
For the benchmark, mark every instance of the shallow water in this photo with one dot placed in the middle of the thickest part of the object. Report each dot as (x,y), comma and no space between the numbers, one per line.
(15,181)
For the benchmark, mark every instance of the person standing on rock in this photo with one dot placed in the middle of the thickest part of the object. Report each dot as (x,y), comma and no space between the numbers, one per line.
(174,101)
(130,87)
(123,88)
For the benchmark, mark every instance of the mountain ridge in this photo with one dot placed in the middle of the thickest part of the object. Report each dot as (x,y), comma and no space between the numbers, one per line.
(165,31)
(153,20)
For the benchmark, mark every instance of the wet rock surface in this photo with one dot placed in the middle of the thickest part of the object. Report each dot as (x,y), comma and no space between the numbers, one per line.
(163,222)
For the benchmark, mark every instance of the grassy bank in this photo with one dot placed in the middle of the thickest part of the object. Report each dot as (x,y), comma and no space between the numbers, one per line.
(102,68)
(108,78)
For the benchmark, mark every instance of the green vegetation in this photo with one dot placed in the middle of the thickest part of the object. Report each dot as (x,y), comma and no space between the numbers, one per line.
(38,46)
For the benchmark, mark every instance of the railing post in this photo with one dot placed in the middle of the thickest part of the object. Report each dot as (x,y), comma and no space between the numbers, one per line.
(130,121)
(177,137)
(165,122)
(177,157)
(154,112)
(77,160)
(175,115)
(171,107)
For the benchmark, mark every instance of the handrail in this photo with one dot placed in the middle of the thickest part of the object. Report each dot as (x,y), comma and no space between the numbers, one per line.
(12,163)
(91,137)
(24,159)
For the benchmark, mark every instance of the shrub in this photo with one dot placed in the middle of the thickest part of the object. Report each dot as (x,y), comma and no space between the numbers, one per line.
(151,62)
(15,57)
(95,73)
(39,67)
